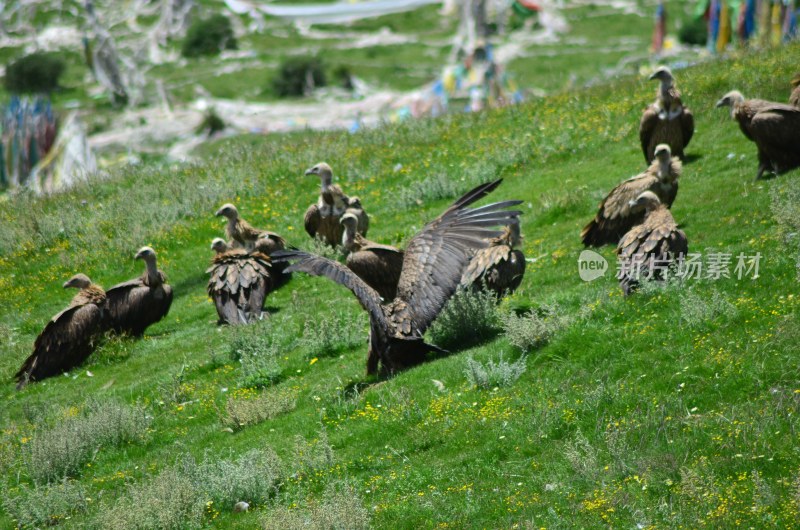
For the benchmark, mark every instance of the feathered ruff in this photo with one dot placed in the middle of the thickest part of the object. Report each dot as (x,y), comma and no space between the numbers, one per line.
(615,217)
(653,246)
(239,284)
(433,264)
(67,339)
(135,305)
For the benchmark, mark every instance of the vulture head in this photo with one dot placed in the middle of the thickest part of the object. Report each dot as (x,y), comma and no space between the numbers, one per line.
(228,210)
(323,171)
(350,221)
(645,201)
(219,245)
(79,281)
(146,253)
(663,153)
(731,99)
(664,75)
(355,202)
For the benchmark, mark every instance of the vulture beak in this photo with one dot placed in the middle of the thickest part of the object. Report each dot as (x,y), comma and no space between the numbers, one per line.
(632,203)
(310,171)
(218,212)
(66,285)
(654,76)
(721,103)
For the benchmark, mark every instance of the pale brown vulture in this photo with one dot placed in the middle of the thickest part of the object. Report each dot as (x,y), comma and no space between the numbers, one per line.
(650,249)
(378,265)
(667,121)
(615,216)
(322,218)
(434,262)
(499,267)
(239,283)
(245,235)
(136,304)
(774,127)
(70,336)
(794,98)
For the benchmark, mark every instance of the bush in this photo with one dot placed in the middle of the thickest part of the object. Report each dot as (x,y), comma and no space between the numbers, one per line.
(698,309)
(257,354)
(209,37)
(693,32)
(314,455)
(40,506)
(341,508)
(37,72)
(330,335)
(61,450)
(241,412)
(298,76)
(494,374)
(469,317)
(533,329)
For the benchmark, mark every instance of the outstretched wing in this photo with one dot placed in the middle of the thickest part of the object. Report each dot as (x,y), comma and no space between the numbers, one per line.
(436,257)
(318,266)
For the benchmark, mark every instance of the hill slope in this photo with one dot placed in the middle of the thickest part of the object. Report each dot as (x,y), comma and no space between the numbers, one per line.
(676,407)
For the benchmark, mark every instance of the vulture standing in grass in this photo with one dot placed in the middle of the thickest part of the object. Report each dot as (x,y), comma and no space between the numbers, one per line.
(239,283)
(615,216)
(378,265)
(322,219)
(499,267)
(667,121)
(69,338)
(774,127)
(651,247)
(245,235)
(794,98)
(433,264)
(136,304)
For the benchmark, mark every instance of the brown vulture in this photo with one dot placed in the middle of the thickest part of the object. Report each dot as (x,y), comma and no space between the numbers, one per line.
(774,127)
(499,267)
(136,304)
(667,121)
(378,265)
(322,219)
(794,98)
(649,249)
(434,262)
(245,235)
(615,216)
(239,283)
(70,336)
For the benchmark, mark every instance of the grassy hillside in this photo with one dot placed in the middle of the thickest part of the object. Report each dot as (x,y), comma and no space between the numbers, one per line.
(674,408)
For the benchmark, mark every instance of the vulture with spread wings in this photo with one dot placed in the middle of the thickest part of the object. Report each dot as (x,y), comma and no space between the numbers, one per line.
(433,264)
(239,283)
(774,127)
(500,266)
(667,120)
(70,336)
(136,304)
(615,216)
(651,248)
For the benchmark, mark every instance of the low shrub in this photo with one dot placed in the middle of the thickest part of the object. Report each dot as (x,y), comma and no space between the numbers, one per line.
(330,335)
(493,374)
(340,508)
(209,37)
(37,72)
(256,352)
(298,76)
(698,309)
(312,455)
(244,411)
(534,328)
(61,450)
(49,505)
(469,317)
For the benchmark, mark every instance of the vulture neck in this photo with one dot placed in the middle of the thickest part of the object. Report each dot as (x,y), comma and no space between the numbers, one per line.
(349,239)
(663,92)
(151,272)
(663,168)
(326,180)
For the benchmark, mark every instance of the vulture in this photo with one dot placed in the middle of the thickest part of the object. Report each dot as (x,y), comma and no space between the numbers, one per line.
(245,235)
(239,283)
(433,264)
(69,338)
(322,219)
(136,304)
(378,265)
(774,127)
(651,247)
(499,267)
(615,216)
(794,98)
(667,121)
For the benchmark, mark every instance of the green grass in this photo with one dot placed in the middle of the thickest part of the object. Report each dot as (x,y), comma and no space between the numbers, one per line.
(641,411)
